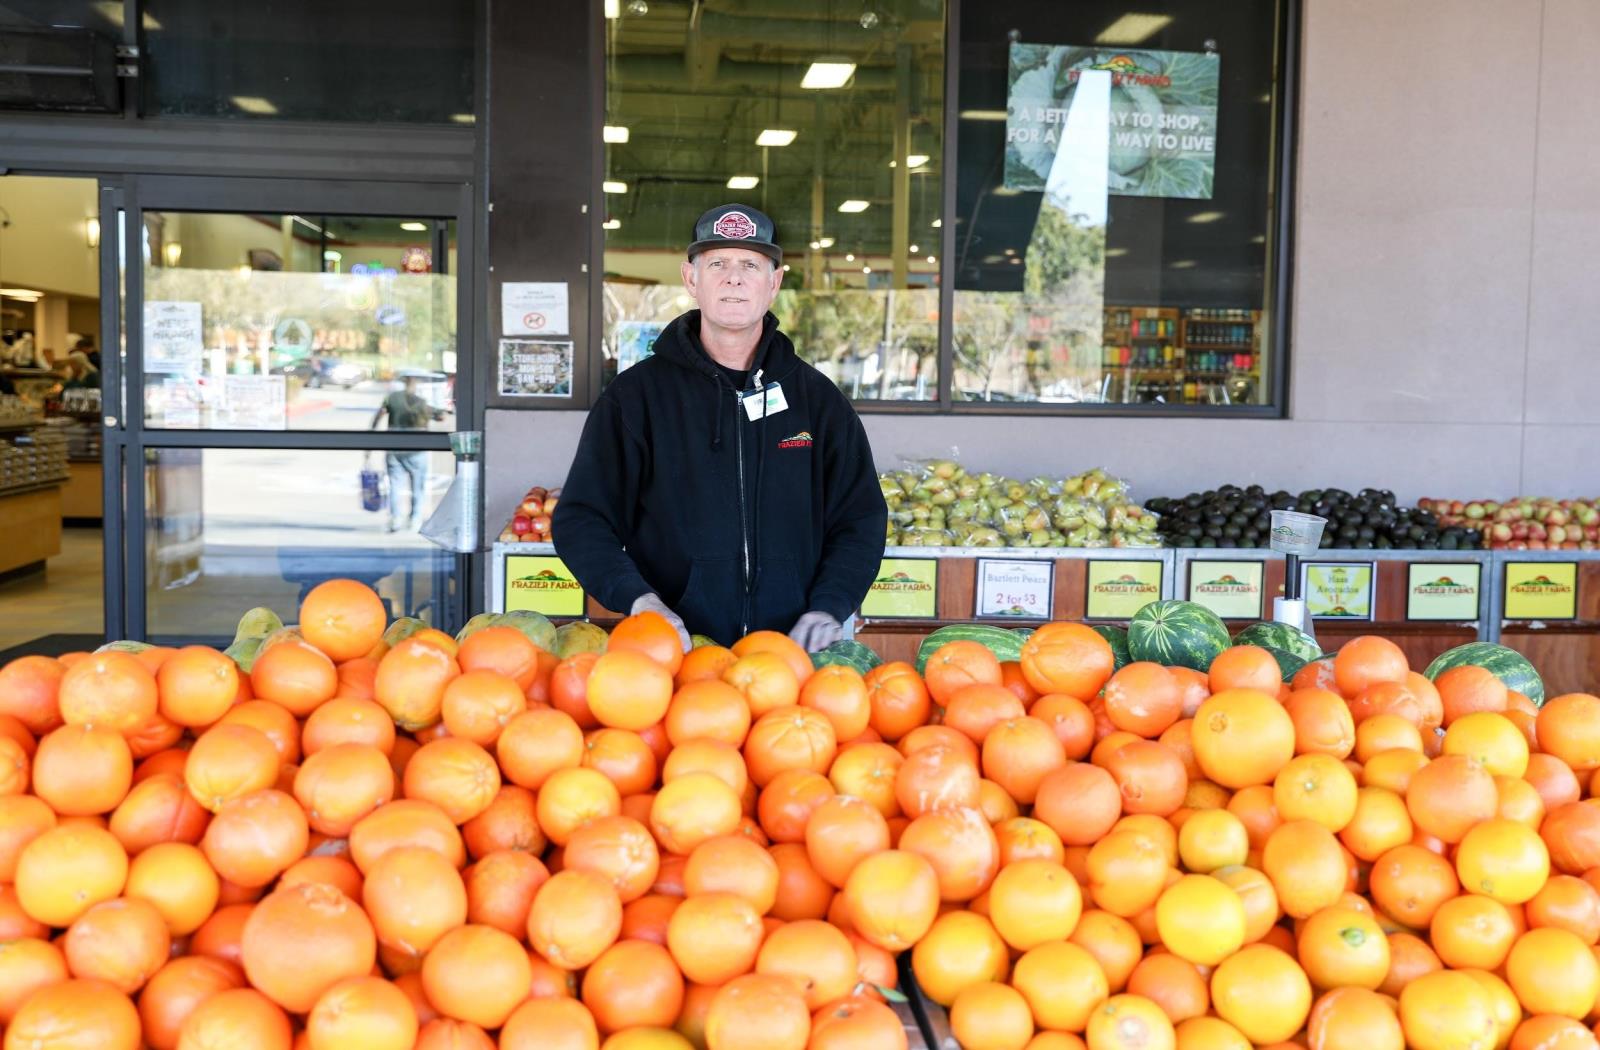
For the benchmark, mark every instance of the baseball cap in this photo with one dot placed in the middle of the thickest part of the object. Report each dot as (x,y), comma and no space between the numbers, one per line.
(735,226)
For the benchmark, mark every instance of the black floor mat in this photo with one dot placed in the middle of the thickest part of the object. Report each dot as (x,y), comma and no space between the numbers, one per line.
(53,645)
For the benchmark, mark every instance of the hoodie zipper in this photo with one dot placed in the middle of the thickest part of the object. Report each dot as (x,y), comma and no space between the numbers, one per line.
(744,523)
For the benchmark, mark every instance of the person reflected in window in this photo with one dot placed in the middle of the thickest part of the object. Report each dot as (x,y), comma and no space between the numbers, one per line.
(406,411)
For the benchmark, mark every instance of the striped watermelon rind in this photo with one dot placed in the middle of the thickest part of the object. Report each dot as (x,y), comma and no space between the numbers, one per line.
(1177,634)
(846,653)
(1118,637)
(1006,645)
(1285,638)
(1288,663)
(1508,665)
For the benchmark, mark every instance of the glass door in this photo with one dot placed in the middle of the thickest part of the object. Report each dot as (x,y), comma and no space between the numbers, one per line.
(295,365)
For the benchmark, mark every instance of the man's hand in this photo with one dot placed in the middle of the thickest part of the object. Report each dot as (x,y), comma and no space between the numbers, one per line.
(816,631)
(652,603)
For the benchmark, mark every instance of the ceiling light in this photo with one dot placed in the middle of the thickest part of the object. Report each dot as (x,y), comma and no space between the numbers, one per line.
(743,182)
(937,223)
(614,133)
(785,267)
(414,227)
(992,259)
(849,256)
(21,293)
(112,11)
(1184,264)
(255,104)
(916,160)
(172,251)
(1259,238)
(613,186)
(613,8)
(463,118)
(931,259)
(611,224)
(91,231)
(1004,191)
(825,242)
(1015,261)
(638,7)
(866,269)
(1114,253)
(1205,216)
(1133,29)
(853,206)
(776,137)
(1011,251)
(332,256)
(983,114)
(815,245)
(825,75)
(914,249)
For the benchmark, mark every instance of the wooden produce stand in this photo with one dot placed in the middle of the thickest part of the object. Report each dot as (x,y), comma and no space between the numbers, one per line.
(33,467)
(1426,601)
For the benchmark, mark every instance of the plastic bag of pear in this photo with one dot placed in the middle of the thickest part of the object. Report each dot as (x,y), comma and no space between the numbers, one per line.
(937,503)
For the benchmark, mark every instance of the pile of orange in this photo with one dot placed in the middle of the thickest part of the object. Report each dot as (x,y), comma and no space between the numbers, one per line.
(447,844)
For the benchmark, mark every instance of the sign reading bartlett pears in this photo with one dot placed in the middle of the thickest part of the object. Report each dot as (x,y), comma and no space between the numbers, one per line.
(1021,589)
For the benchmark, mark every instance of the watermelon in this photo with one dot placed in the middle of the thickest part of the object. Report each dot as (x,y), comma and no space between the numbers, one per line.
(1118,637)
(1006,645)
(1288,663)
(846,653)
(1508,665)
(1285,638)
(1177,633)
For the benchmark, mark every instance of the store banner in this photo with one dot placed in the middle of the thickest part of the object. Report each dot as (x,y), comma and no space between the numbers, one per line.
(1022,590)
(1339,590)
(542,583)
(1231,589)
(1117,589)
(1443,591)
(1162,121)
(1541,590)
(906,589)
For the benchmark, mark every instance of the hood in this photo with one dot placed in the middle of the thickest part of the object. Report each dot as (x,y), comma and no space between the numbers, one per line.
(679,343)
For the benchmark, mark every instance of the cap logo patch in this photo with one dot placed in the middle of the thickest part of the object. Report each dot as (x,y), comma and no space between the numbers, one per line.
(735,226)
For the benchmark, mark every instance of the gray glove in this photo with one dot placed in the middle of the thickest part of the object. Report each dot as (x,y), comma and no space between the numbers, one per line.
(815,631)
(652,603)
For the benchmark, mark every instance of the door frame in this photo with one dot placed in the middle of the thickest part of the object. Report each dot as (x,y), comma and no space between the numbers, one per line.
(126,438)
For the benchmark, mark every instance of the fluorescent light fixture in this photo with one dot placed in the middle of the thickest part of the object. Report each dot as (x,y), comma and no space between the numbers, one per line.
(937,223)
(743,182)
(112,10)
(1133,29)
(414,227)
(850,207)
(916,160)
(254,104)
(866,269)
(611,224)
(614,133)
(613,186)
(1004,191)
(21,293)
(983,114)
(1010,251)
(1116,253)
(308,224)
(91,231)
(815,245)
(914,249)
(825,242)
(1184,264)
(1259,238)
(1205,216)
(849,256)
(785,267)
(776,137)
(332,256)
(613,8)
(823,76)
(463,118)
(990,260)
(931,259)
(1015,261)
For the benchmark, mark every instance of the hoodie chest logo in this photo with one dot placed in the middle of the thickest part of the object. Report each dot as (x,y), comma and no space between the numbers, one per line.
(798,440)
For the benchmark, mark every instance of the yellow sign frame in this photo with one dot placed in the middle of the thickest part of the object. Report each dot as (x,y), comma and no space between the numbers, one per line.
(904,589)
(542,583)
(1540,590)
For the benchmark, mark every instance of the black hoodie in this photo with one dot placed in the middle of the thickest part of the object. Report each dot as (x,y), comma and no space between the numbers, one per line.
(738,524)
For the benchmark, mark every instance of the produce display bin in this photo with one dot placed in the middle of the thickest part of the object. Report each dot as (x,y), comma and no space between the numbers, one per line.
(1544,604)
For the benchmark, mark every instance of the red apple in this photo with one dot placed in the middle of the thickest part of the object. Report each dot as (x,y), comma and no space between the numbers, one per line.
(531,507)
(1538,545)
(521,524)
(1500,532)
(550,504)
(541,526)
(1556,535)
(1519,531)
(538,492)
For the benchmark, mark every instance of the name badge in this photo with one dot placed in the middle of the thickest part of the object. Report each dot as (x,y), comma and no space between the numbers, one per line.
(775,401)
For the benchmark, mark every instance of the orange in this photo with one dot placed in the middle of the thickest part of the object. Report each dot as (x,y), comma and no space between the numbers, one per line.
(732,864)
(477,705)
(543,1024)
(27,964)
(405,822)
(343,720)
(1552,971)
(709,709)
(67,870)
(704,663)
(976,709)
(1200,919)
(631,985)
(1062,984)
(816,955)
(1493,740)
(175,878)
(937,777)
(1245,667)
(1366,661)
(758,1012)
(570,798)
(569,685)
(363,1011)
(1354,1019)
(856,1021)
(1568,728)
(1067,658)
(1080,802)
(30,692)
(961,949)
(1572,833)
(789,738)
(766,680)
(413,896)
(1316,787)
(620,850)
(1466,689)
(339,785)
(122,942)
(1447,1010)
(299,942)
(228,761)
(840,693)
(956,665)
(1262,993)
(1394,699)
(1569,903)
(1381,733)
(457,775)
(1032,902)
(1212,839)
(197,685)
(1341,947)
(1209,1033)
(1071,721)
(1450,795)
(501,887)
(1549,1032)
(108,690)
(1306,865)
(898,699)
(690,810)
(1176,985)
(477,974)
(629,690)
(1143,698)
(1381,822)
(575,916)
(1150,777)
(787,802)
(1130,1022)
(1242,737)
(1024,838)
(295,675)
(1504,860)
(411,680)
(504,651)
(1472,932)
(714,937)
(82,770)
(1409,883)
(1256,811)
(1519,801)
(991,1016)
(343,618)
(1127,872)
(1322,723)
(867,771)
(538,743)
(1112,941)
(175,992)
(77,1013)
(842,831)
(892,898)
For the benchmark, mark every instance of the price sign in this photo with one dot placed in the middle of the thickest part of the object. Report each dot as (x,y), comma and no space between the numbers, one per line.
(1338,590)
(1443,591)
(541,583)
(1022,590)
(1541,590)
(1118,589)
(1231,589)
(906,589)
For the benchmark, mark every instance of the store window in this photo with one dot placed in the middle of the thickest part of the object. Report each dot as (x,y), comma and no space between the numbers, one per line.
(299,322)
(384,61)
(828,116)
(1115,203)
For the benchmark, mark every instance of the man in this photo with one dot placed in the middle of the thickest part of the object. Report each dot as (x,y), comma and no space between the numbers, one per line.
(406,411)
(722,482)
